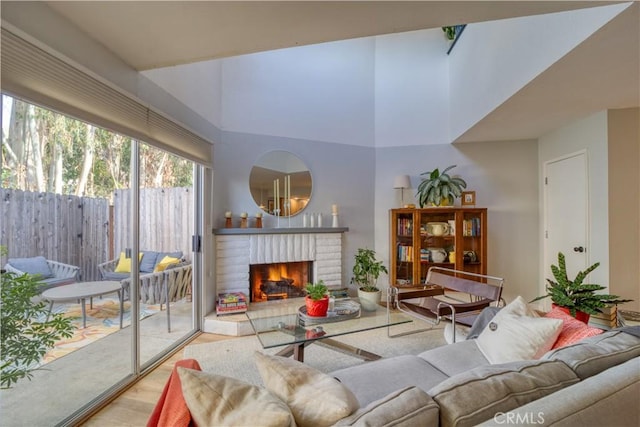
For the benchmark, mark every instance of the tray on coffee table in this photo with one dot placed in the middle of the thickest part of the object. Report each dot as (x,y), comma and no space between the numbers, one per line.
(342,310)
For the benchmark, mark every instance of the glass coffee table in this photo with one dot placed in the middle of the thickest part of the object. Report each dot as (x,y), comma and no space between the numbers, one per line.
(283,323)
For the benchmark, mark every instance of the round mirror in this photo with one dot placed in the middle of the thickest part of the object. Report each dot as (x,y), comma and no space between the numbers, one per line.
(280,183)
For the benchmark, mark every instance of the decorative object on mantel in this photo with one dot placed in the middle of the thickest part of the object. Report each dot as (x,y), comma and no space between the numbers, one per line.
(319,220)
(579,299)
(259,220)
(334,213)
(227,216)
(440,189)
(401,182)
(312,220)
(244,220)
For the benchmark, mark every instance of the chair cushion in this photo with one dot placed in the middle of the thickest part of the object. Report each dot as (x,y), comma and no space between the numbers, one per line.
(513,334)
(315,398)
(215,400)
(408,407)
(165,262)
(124,263)
(33,265)
(148,261)
(477,395)
(115,276)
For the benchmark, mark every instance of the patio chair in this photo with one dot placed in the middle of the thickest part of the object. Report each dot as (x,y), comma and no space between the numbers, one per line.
(454,295)
(156,287)
(51,273)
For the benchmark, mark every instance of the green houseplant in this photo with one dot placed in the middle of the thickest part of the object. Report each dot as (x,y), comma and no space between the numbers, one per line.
(26,334)
(366,271)
(439,189)
(317,299)
(574,295)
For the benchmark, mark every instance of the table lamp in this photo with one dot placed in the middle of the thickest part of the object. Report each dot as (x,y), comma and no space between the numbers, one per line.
(402,182)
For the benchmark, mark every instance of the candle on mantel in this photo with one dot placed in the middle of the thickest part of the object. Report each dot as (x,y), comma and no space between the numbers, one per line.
(227,214)
(334,209)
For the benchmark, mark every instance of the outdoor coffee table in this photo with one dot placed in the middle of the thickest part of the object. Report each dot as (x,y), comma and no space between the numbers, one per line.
(277,324)
(81,291)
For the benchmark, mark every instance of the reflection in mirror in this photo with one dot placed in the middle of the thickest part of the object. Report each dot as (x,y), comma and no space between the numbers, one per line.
(280,183)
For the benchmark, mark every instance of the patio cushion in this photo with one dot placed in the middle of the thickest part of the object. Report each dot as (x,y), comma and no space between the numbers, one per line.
(149,261)
(115,276)
(166,262)
(32,265)
(124,263)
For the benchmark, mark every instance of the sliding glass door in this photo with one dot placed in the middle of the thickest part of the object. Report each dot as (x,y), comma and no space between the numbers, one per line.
(85,199)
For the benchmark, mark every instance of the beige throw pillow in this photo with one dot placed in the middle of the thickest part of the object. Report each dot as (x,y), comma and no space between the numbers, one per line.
(514,334)
(215,400)
(315,398)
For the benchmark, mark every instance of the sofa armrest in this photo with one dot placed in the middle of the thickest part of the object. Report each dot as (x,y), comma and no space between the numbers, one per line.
(107,267)
(63,271)
(11,269)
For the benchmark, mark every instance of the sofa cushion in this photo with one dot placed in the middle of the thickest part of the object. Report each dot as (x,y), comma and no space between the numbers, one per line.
(374,380)
(572,330)
(124,263)
(455,358)
(215,400)
(33,265)
(148,261)
(607,399)
(115,276)
(515,334)
(409,407)
(315,399)
(477,395)
(595,354)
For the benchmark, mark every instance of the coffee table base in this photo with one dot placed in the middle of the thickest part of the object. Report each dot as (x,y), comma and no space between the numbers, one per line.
(297,350)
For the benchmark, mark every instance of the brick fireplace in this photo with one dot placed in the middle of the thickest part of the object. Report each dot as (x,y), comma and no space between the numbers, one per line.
(279,280)
(239,249)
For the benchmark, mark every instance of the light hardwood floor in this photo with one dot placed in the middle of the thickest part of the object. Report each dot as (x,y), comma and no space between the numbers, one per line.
(133,407)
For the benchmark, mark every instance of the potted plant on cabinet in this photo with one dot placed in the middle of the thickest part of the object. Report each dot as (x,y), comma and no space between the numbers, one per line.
(366,271)
(439,189)
(317,299)
(577,298)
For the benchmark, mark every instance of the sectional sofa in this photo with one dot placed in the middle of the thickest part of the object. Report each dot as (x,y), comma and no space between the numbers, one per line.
(592,382)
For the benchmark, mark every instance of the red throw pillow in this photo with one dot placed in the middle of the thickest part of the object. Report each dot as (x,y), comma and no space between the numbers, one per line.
(573,330)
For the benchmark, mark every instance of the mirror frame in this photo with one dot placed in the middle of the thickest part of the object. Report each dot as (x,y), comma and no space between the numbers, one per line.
(282,172)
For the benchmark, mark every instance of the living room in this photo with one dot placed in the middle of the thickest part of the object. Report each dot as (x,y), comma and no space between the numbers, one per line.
(384,109)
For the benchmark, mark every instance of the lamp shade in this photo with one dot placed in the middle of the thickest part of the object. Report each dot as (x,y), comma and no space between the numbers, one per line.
(402,181)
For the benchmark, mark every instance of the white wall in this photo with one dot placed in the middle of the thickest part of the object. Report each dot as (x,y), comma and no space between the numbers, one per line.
(321,92)
(504,176)
(590,134)
(412,89)
(495,59)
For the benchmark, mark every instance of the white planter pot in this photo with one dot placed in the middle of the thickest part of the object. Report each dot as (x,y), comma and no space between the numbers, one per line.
(369,300)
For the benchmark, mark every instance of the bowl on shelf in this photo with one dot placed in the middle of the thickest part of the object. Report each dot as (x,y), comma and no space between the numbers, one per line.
(438,255)
(437,228)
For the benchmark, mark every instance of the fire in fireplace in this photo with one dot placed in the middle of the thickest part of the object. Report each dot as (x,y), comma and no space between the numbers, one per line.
(279,280)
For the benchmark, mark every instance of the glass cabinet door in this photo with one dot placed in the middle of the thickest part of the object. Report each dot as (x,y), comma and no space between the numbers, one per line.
(437,239)
(404,249)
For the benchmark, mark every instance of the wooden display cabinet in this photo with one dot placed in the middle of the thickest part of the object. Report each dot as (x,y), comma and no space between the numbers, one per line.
(448,237)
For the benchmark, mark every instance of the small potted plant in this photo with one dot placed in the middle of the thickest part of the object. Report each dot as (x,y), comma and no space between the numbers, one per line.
(317,299)
(577,298)
(439,189)
(366,271)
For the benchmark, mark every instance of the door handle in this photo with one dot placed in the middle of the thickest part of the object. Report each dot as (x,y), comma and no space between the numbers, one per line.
(578,249)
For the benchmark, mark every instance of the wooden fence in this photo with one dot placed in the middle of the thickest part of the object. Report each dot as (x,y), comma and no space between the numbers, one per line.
(86,231)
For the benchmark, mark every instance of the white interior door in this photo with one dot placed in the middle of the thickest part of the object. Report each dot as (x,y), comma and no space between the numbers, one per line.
(566,212)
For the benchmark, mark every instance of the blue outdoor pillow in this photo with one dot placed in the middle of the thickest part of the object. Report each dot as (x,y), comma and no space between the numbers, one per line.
(33,265)
(148,262)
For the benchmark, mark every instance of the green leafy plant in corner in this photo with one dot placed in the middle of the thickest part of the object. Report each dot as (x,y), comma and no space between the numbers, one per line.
(439,186)
(574,294)
(449,32)
(25,334)
(316,291)
(367,269)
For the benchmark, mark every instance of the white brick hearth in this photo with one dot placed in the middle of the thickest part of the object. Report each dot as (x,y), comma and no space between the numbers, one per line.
(237,250)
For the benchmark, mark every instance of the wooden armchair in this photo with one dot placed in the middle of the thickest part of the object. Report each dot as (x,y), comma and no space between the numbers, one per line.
(454,295)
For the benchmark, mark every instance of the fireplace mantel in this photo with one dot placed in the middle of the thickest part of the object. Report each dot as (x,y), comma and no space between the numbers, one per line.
(296,230)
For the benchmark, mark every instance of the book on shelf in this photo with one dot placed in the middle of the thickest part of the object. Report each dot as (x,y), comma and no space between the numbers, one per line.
(231,303)
(405,253)
(471,227)
(405,227)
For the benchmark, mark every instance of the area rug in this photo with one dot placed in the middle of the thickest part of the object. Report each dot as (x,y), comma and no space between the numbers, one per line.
(102,320)
(234,357)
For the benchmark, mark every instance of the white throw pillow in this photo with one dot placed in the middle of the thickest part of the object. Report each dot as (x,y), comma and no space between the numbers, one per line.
(215,400)
(315,398)
(515,334)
